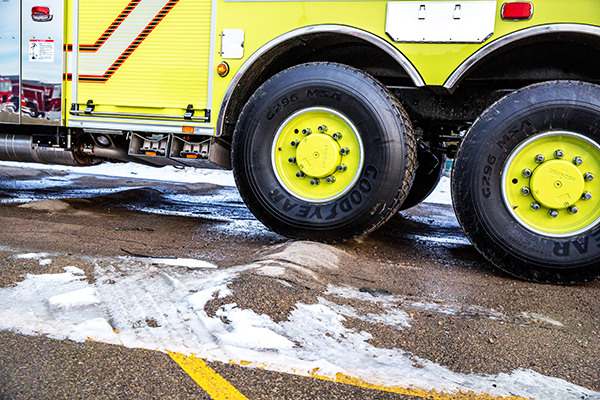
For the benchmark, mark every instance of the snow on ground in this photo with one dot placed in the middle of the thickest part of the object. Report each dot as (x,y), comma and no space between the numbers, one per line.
(440,195)
(156,306)
(139,171)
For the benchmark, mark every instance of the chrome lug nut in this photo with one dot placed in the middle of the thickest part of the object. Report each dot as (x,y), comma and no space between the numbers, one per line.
(292,160)
(535,206)
(344,151)
(540,158)
(337,136)
(527,172)
(342,167)
(573,209)
(322,128)
(315,181)
(295,143)
(300,175)
(578,161)
(553,213)
(525,191)
(588,176)
(306,131)
(586,195)
(330,179)
(559,154)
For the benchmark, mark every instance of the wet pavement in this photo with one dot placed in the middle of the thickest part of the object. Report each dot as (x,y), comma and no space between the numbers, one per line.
(145,267)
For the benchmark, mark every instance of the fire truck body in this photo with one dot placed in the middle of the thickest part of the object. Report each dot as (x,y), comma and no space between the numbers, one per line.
(333,114)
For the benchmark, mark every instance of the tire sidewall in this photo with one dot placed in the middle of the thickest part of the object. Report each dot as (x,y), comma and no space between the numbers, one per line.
(477,182)
(346,91)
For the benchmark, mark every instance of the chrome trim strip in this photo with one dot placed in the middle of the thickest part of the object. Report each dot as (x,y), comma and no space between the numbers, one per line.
(367,36)
(155,116)
(138,126)
(75,52)
(455,77)
(211,61)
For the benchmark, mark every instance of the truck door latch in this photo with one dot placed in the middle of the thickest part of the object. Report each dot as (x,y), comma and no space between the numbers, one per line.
(189,113)
(457,11)
(89,107)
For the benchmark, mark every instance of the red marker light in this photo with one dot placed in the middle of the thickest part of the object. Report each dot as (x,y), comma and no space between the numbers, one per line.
(518,10)
(41,14)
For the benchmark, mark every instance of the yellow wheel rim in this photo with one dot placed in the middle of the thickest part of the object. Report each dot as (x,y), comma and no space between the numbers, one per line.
(551,184)
(317,155)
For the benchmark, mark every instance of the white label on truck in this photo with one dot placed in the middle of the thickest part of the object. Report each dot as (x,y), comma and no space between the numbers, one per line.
(41,50)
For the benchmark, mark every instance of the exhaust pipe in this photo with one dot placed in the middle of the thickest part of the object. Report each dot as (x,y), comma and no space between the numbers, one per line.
(21,148)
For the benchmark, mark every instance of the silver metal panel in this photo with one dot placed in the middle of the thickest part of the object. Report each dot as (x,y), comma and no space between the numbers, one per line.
(42,64)
(10,68)
(232,44)
(440,21)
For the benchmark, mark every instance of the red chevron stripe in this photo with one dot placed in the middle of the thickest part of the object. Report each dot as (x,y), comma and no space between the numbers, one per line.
(111,29)
(132,47)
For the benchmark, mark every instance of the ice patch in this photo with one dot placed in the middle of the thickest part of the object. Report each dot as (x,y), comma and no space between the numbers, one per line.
(248,330)
(176,262)
(76,298)
(537,318)
(29,256)
(74,270)
(442,307)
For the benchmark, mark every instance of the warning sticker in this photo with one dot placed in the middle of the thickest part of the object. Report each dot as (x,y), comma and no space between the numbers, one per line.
(41,50)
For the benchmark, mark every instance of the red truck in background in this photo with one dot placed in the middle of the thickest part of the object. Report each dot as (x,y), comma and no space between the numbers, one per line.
(5,90)
(39,98)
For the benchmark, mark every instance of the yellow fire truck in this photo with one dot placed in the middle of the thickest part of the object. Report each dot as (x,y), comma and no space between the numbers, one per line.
(333,115)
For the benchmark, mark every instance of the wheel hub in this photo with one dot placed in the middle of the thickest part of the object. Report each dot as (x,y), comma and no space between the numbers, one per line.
(548,184)
(557,184)
(317,155)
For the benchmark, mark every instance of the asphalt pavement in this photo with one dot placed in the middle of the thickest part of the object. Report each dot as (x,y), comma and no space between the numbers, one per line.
(105,281)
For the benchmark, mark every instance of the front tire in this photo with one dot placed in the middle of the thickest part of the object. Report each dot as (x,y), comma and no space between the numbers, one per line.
(522,179)
(323,152)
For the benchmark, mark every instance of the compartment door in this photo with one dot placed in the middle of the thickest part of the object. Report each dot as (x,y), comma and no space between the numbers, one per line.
(141,60)
(42,68)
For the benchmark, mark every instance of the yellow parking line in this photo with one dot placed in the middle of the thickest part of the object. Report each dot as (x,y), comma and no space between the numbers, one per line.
(426,394)
(218,388)
(214,384)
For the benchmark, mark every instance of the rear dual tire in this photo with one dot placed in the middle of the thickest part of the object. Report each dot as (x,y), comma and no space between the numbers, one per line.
(527,215)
